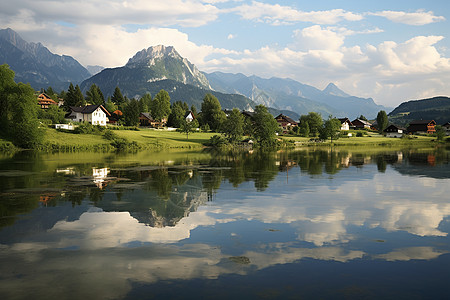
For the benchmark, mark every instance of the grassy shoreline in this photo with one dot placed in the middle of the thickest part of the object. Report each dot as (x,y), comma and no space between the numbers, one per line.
(151,139)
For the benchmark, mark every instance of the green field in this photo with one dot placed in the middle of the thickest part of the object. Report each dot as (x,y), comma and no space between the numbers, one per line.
(371,140)
(151,139)
(145,138)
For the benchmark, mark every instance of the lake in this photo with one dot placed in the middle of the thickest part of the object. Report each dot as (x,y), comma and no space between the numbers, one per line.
(301,224)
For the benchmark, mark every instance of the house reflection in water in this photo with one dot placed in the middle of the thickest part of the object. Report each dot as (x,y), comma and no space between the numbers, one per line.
(100,175)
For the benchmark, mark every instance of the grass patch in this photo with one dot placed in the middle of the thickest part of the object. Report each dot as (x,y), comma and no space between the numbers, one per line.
(373,139)
(146,139)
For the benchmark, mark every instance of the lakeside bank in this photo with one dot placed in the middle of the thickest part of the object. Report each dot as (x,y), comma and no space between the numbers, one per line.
(151,139)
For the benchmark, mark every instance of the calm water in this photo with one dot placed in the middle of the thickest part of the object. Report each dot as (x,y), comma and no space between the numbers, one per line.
(311,224)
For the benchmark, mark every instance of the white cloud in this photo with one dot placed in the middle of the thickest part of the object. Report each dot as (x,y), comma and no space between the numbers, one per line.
(116,12)
(277,14)
(417,18)
(231,36)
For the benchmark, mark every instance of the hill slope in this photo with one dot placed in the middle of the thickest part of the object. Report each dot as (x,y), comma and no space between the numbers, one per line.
(436,108)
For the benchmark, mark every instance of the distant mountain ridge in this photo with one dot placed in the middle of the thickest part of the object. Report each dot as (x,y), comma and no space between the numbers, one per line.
(290,94)
(436,108)
(35,64)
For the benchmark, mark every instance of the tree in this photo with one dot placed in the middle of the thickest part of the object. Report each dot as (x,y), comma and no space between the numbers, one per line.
(110,106)
(330,129)
(53,113)
(382,121)
(314,121)
(79,97)
(177,114)
(212,113)
(264,127)
(440,132)
(18,111)
(304,129)
(233,127)
(188,126)
(131,113)
(95,95)
(117,97)
(160,106)
(145,102)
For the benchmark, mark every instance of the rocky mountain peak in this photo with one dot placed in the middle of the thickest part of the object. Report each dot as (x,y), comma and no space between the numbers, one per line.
(332,89)
(151,54)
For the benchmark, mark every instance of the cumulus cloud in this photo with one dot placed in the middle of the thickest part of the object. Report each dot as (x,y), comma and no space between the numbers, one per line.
(116,12)
(417,18)
(277,14)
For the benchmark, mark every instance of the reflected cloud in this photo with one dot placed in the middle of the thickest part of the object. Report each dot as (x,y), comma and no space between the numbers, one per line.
(406,254)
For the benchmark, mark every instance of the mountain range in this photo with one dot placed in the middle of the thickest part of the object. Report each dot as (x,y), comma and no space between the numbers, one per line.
(161,67)
(35,64)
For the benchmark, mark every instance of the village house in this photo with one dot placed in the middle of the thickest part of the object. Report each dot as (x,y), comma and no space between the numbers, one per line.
(345,123)
(422,126)
(94,114)
(44,101)
(361,124)
(394,131)
(189,116)
(285,122)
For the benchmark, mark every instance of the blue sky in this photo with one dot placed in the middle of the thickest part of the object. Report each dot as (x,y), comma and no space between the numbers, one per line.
(392,51)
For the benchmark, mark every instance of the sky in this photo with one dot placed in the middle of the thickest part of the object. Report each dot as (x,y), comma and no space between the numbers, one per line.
(391,51)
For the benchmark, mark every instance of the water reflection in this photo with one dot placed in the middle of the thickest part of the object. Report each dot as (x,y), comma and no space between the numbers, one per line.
(132,219)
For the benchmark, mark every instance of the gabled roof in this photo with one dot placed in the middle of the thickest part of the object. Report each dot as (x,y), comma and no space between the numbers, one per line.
(285,118)
(146,115)
(393,127)
(422,122)
(362,121)
(248,113)
(188,113)
(344,120)
(88,109)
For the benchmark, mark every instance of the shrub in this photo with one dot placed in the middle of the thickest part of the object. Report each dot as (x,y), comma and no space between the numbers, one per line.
(359,134)
(217,141)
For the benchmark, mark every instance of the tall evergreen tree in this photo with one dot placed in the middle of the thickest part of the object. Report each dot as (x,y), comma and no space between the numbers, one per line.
(117,97)
(95,95)
(131,113)
(81,101)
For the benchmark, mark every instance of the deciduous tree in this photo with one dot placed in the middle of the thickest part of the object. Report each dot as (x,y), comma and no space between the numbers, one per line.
(233,127)
(265,127)
(212,113)
(160,106)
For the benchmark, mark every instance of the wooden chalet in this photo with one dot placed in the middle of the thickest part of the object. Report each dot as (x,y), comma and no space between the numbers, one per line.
(285,122)
(361,124)
(394,131)
(146,120)
(422,126)
(44,101)
(345,123)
